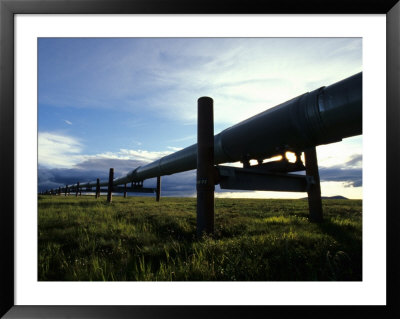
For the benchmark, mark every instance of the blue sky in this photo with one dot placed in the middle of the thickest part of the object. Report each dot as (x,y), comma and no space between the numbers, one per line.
(124,102)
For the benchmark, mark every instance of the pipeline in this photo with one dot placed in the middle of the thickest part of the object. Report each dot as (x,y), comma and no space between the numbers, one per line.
(325,115)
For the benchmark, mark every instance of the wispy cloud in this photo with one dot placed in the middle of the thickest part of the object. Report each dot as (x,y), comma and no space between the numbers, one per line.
(191,138)
(347,151)
(62,151)
(355,161)
(57,150)
(142,155)
(244,75)
(174,149)
(68,122)
(349,173)
(350,177)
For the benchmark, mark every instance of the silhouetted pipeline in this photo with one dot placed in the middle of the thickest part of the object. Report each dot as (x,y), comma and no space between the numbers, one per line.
(323,116)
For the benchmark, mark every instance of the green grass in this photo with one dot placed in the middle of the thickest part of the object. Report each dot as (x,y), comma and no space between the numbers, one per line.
(88,239)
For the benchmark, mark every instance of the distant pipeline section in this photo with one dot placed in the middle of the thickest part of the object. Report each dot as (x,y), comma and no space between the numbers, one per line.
(323,116)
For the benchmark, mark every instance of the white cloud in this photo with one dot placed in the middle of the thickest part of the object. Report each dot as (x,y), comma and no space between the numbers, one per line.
(61,151)
(68,122)
(56,150)
(339,153)
(189,138)
(244,76)
(340,188)
(247,77)
(125,154)
(174,149)
(142,155)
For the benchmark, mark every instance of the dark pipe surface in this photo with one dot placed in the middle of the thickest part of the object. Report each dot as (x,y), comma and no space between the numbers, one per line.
(323,116)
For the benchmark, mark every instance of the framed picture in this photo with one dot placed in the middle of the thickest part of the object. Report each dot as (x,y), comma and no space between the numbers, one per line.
(193,299)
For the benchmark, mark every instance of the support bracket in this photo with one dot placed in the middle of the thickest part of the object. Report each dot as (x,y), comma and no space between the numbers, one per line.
(122,189)
(259,179)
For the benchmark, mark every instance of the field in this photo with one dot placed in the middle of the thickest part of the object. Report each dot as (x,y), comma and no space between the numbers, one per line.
(88,239)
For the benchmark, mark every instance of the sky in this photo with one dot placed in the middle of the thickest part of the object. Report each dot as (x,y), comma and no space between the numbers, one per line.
(125,102)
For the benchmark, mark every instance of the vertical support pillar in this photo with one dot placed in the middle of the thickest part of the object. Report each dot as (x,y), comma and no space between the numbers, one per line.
(110,185)
(314,192)
(125,190)
(98,188)
(158,190)
(59,191)
(77,189)
(205,166)
(66,190)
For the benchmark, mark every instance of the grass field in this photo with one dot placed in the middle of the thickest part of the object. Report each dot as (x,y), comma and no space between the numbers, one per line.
(88,239)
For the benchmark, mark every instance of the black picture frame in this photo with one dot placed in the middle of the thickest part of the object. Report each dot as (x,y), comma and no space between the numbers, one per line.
(8,8)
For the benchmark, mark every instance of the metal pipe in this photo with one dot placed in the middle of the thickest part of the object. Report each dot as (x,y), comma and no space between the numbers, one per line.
(323,116)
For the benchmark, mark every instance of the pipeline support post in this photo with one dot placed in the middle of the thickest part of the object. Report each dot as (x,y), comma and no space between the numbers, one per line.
(66,190)
(314,191)
(125,190)
(77,189)
(158,190)
(98,188)
(110,185)
(205,166)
